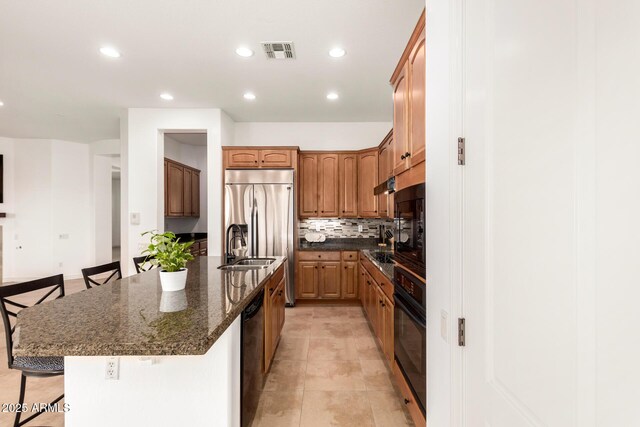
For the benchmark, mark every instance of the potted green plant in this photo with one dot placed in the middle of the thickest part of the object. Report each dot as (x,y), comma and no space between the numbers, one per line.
(171,256)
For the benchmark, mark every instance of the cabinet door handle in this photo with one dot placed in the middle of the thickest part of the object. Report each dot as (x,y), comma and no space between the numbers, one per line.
(407,155)
(402,157)
(406,401)
(323,266)
(316,267)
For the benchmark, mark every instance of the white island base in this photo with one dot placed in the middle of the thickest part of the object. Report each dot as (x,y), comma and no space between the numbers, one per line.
(158,391)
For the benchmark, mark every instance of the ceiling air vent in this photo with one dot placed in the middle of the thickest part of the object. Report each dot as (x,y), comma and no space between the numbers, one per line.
(279,50)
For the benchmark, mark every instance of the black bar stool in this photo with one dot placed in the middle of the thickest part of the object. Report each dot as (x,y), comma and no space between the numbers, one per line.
(29,366)
(142,263)
(89,273)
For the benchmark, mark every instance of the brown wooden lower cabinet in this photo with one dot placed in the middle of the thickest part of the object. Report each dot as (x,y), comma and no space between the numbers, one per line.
(349,279)
(199,248)
(307,283)
(274,302)
(408,398)
(327,275)
(329,279)
(378,307)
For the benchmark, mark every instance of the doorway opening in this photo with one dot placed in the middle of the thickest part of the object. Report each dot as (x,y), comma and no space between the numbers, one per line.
(185,198)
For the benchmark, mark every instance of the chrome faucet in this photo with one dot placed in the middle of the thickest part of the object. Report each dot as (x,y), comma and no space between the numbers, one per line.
(229,255)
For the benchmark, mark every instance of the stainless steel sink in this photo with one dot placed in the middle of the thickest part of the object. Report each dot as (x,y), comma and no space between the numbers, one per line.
(255,262)
(249,264)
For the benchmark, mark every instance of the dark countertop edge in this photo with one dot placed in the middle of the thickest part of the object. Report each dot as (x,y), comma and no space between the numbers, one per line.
(162,349)
(376,263)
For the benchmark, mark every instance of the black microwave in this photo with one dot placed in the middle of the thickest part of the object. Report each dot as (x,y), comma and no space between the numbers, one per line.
(409,217)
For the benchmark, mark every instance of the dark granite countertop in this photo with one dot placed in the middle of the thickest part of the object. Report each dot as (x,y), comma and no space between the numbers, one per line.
(124,317)
(190,237)
(345,244)
(385,268)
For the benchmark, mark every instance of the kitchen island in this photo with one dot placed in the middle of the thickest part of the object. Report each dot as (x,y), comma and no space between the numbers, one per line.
(177,354)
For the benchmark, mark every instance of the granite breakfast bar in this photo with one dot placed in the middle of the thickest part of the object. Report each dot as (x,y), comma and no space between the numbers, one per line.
(177,353)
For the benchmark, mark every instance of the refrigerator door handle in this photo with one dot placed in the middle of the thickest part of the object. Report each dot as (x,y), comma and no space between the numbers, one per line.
(257,232)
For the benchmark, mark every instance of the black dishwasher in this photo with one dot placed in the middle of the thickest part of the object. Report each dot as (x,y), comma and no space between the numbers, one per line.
(251,357)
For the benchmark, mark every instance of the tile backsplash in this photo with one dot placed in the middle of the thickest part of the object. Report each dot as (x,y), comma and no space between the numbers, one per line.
(343,228)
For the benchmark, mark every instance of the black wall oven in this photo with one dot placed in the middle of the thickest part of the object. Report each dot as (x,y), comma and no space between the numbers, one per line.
(410,332)
(410,228)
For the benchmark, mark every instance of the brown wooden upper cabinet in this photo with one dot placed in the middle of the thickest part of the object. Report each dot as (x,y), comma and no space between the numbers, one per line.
(417,87)
(409,87)
(385,171)
(328,200)
(182,190)
(250,158)
(275,158)
(308,192)
(319,185)
(367,180)
(348,193)
(400,117)
(241,158)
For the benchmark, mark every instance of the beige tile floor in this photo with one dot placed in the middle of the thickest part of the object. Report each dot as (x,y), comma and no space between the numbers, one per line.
(328,371)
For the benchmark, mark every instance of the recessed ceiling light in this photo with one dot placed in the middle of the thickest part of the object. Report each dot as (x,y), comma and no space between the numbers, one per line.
(332,96)
(249,96)
(337,52)
(245,52)
(111,52)
(1,104)
(167,96)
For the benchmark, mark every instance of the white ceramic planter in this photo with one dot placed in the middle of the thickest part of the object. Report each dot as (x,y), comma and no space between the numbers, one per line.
(174,281)
(173,301)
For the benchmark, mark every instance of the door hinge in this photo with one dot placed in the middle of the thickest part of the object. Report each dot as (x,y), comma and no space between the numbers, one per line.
(461,151)
(461,332)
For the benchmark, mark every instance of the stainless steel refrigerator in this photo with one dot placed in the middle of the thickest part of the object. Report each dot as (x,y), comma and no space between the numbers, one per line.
(259,209)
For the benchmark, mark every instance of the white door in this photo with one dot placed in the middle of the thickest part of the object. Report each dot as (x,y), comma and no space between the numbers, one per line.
(520,185)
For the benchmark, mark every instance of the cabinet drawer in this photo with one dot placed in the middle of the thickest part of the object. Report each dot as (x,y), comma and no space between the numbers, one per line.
(349,255)
(275,279)
(318,256)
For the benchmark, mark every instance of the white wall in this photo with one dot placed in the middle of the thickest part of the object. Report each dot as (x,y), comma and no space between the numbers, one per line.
(597,111)
(196,157)
(142,170)
(71,206)
(313,136)
(48,204)
(115,212)
(102,209)
(442,130)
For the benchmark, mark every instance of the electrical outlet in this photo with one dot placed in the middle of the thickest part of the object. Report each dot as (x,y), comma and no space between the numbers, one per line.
(444,325)
(359,228)
(64,236)
(112,369)
(134,218)
(317,227)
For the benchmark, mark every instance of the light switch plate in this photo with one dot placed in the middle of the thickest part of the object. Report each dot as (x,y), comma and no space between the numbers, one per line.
(317,227)
(359,228)
(444,325)
(135,218)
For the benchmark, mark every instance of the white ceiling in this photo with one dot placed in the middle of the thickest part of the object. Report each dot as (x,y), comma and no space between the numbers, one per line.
(189,138)
(55,84)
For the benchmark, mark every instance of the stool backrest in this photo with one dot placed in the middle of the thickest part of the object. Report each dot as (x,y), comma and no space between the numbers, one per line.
(89,273)
(9,305)
(142,263)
